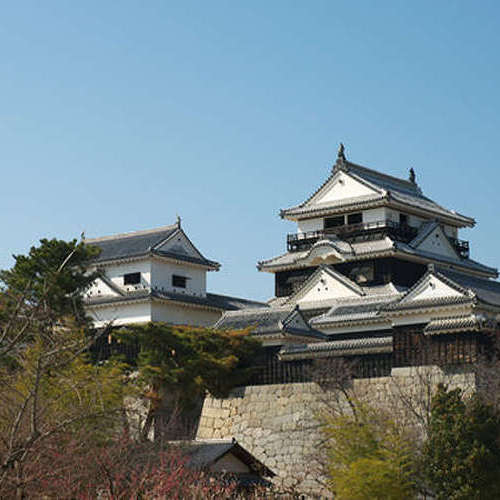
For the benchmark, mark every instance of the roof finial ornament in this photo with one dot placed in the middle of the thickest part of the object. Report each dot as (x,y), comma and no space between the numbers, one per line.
(178,222)
(412,176)
(341,152)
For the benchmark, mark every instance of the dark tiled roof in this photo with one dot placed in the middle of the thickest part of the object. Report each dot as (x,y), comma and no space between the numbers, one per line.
(270,320)
(130,244)
(351,312)
(97,300)
(203,454)
(465,263)
(365,345)
(374,248)
(264,320)
(485,290)
(399,190)
(453,324)
(430,302)
(230,303)
(141,243)
(222,302)
(185,258)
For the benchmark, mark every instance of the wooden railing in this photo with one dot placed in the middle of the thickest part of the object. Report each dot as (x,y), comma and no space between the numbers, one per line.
(303,241)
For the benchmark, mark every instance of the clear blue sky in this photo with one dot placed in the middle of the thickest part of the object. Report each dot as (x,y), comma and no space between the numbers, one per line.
(115,116)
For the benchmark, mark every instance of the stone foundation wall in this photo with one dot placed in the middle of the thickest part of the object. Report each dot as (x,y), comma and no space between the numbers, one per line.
(279,423)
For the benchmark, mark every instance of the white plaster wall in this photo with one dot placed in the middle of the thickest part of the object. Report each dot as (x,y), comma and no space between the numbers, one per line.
(343,187)
(326,287)
(229,463)
(437,243)
(413,220)
(115,273)
(304,226)
(435,288)
(162,272)
(451,231)
(100,289)
(122,314)
(375,214)
(180,315)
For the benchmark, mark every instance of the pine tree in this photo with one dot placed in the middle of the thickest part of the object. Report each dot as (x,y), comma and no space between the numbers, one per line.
(462,453)
(178,365)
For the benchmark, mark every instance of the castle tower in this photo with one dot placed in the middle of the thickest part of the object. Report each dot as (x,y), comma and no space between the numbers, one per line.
(376,271)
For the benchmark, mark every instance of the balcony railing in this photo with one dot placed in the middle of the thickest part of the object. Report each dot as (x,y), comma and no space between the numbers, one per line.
(304,241)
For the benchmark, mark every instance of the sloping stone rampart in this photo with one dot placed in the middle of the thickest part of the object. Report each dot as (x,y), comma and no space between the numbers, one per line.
(279,423)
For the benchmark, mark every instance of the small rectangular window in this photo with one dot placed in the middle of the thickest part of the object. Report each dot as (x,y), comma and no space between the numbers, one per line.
(355,218)
(179,281)
(403,219)
(334,221)
(132,278)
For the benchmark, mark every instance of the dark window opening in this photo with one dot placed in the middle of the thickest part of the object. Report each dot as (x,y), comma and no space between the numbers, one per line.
(334,221)
(179,281)
(132,278)
(363,274)
(403,219)
(355,218)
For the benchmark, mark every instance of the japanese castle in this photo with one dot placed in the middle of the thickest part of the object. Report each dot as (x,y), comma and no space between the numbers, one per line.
(376,273)
(154,275)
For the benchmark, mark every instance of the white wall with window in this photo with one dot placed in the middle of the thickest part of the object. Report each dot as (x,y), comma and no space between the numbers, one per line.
(168,276)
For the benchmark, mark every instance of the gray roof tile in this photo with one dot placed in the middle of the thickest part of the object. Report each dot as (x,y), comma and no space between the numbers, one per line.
(205,453)
(399,190)
(347,347)
(130,244)
(141,243)
(486,290)
(269,321)
(217,301)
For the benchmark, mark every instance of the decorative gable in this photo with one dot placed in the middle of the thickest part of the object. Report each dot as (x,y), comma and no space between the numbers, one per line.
(432,287)
(325,284)
(341,186)
(435,241)
(179,244)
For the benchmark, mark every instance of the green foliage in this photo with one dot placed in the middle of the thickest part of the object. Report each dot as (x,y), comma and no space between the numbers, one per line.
(52,275)
(47,386)
(462,453)
(369,455)
(191,361)
(64,392)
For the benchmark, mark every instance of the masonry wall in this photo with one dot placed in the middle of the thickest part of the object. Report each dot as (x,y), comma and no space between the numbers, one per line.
(279,423)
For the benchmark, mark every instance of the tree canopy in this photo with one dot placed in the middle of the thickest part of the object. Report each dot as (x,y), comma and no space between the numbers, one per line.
(47,386)
(182,363)
(53,275)
(369,456)
(462,452)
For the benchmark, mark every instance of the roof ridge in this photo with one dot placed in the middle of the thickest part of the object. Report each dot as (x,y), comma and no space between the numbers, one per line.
(406,182)
(131,234)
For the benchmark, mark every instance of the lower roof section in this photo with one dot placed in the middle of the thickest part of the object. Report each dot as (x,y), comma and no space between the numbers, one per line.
(210,300)
(349,347)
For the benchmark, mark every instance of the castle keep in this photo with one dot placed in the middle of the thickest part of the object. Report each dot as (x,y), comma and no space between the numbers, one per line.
(376,273)
(375,277)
